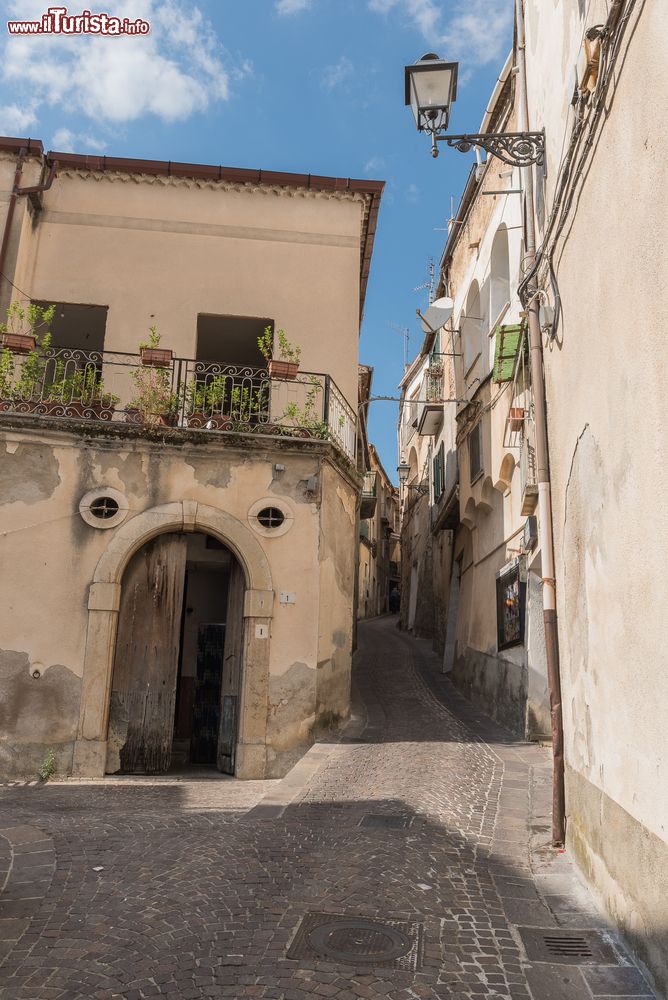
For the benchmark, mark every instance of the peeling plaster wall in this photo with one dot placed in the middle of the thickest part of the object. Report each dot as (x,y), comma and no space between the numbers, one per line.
(53,554)
(337,566)
(606,388)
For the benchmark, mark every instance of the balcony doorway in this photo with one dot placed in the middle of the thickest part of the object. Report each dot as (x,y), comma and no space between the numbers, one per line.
(231,340)
(77,326)
(177,670)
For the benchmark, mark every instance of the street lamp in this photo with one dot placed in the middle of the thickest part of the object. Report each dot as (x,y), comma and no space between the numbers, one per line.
(431,88)
(403,469)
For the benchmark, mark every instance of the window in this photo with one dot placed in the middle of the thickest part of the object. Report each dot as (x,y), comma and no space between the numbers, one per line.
(475,452)
(77,327)
(439,472)
(472,325)
(499,293)
(271,517)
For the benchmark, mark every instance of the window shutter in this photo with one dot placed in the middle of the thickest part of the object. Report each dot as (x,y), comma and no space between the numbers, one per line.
(508,340)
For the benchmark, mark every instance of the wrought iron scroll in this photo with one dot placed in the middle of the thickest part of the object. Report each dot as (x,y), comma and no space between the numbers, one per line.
(518,149)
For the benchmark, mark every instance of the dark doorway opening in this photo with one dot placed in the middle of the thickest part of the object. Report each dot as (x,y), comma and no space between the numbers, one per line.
(231,340)
(78,326)
(177,672)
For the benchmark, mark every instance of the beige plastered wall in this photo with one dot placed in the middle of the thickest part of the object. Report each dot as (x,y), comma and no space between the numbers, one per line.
(606,381)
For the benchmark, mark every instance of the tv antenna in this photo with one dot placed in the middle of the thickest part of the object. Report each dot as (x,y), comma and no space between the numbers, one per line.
(428,286)
(406,334)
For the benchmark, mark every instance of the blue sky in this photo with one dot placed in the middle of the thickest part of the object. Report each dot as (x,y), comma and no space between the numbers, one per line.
(313,86)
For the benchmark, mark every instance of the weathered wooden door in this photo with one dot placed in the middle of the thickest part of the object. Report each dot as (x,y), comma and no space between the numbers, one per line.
(231,686)
(141,717)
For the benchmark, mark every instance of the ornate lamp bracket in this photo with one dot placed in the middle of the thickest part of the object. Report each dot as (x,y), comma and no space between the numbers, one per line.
(518,149)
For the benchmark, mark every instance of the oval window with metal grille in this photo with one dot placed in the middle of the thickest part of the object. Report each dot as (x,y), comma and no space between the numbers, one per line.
(271,517)
(104,507)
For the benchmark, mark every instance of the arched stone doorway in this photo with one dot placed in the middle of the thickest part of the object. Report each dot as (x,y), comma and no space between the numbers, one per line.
(176,682)
(104,600)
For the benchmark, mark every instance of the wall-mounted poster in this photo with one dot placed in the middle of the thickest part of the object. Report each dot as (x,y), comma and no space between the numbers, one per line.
(510,606)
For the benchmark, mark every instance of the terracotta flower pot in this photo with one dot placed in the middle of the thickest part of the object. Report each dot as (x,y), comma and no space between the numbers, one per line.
(516,418)
(283,369)
(156,357)
(19,343)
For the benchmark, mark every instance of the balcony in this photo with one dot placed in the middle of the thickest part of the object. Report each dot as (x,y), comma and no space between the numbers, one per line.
(430,408)
(206,397)
(369,500)
(528,479)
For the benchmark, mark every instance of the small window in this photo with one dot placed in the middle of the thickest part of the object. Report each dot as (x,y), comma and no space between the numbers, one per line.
(439,472)
(271,517)
(475,452)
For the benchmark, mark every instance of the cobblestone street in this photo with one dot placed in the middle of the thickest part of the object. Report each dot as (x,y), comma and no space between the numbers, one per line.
(425,816)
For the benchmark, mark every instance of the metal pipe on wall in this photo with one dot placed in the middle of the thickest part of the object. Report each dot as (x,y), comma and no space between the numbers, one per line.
(546,533)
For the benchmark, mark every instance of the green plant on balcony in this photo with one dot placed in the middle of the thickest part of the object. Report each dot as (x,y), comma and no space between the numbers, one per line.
(306,419)
(286,365)
(80,390)
(154,401)
(27,327)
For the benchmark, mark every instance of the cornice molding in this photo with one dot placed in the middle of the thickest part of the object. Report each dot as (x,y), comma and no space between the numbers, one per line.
(116,176)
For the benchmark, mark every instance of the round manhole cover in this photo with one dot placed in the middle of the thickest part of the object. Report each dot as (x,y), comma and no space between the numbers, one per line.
(359,940)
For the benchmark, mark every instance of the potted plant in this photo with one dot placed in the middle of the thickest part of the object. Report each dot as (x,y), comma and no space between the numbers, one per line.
(20,330)
(286,365)
(516,418)
(152,355)
(305,420)
(6,379)
(154,401)
(79,393)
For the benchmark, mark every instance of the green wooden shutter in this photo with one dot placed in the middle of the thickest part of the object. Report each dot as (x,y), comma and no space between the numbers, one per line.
(508,340)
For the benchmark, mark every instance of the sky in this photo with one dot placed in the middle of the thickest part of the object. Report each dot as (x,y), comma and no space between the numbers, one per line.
(307,86)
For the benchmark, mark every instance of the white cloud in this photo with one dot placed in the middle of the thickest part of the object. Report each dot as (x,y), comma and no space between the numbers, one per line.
(478,31)
(333,76)
(292,6)
(66,141)
(175,71)
(15,120)
(374,164)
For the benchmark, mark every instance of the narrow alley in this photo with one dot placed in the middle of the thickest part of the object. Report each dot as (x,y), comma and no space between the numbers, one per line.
(426,818)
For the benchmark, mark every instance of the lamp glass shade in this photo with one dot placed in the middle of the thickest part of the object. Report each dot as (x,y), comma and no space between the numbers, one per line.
(403,469)
(431,87)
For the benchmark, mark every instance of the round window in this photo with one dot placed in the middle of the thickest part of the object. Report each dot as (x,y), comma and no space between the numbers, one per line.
(104,507)
(271,517)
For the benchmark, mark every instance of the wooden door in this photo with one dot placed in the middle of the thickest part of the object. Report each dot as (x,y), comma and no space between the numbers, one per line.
(141,718)
(231,687)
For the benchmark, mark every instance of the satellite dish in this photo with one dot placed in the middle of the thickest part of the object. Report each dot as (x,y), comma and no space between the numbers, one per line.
(438,313)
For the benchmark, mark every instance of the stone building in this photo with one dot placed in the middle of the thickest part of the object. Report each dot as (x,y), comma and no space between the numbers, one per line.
(181,528)
(596,75)
(380,558)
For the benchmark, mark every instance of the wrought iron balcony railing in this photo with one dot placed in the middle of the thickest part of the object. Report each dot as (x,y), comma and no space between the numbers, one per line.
(209,396)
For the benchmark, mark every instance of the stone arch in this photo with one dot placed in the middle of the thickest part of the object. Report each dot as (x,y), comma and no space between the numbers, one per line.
(486,502)
(103,607)
(505,473)
(468,518)
(499,289)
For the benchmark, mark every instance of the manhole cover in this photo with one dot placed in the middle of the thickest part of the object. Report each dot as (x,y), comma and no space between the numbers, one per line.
(562,947)
(391,821)
(357,941)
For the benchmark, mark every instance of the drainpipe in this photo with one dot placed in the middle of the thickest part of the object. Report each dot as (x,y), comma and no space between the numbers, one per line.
(542,468)
(13,198)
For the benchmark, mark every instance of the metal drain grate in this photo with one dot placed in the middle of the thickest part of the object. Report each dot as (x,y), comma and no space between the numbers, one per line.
(387,820)
(562,947)
(576,947)
(358,942)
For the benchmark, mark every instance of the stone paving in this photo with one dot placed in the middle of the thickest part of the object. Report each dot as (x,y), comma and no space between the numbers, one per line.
(425,814)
